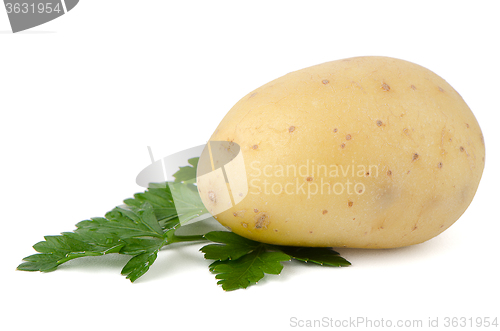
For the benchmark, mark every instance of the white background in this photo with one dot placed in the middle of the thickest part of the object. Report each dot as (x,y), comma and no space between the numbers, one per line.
(83,96)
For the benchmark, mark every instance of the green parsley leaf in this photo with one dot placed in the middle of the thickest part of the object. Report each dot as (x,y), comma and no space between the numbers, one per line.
(187,174)
(139,264)
(126,223)
(160,198)
(187,204)
(234,246)
(317,255)
(122,231)
(249,269)
(171,201)
(241,262)
(56,250)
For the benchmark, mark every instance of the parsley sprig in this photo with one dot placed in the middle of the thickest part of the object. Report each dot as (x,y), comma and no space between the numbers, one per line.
(240,262)
(148,222)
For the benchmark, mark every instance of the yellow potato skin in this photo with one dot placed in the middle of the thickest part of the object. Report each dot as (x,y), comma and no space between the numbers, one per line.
(424,144)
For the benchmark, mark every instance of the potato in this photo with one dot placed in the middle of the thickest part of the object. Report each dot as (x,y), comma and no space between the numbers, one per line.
(366,152)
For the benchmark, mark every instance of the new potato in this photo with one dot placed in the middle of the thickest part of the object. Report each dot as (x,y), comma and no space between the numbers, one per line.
(369,152)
